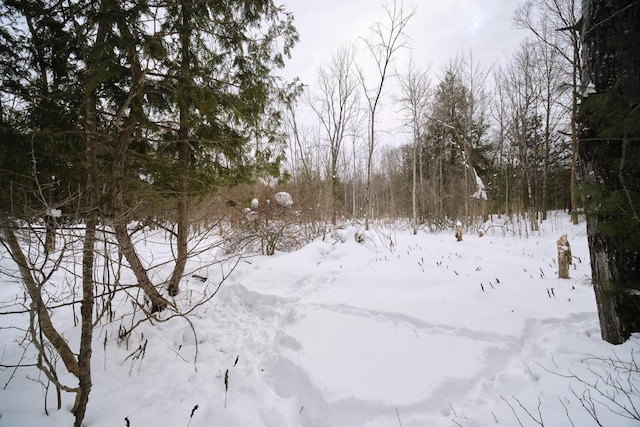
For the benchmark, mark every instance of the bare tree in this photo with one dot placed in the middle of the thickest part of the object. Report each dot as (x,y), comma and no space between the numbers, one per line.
(528,111)
(549,67)
(385,40)
(501,148)
(522,93)
(356,172)
(414,101)
(389,184)
(299,159)
(563,16)
(337,107)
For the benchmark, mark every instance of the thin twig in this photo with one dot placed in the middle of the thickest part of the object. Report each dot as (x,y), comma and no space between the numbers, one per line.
(566,411)
(398,415)
(515,414)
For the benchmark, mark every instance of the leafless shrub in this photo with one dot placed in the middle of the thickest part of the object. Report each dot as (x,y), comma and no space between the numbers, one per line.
(266,225)
(608,389)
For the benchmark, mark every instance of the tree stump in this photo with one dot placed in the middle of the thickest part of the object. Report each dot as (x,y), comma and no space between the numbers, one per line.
(50,236)
(564,257)
(458,231)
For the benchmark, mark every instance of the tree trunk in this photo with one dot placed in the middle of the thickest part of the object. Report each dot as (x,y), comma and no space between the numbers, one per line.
(564,257)
(183,157)
(573,188)
(610,161)
(121,146)
(414,207)
(158,302)
(334,187)
(50,234)
(547,147)
(37,304)
(88,254)
(183,221)
(368,201)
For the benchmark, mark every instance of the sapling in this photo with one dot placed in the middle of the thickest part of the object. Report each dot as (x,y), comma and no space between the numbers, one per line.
(226,387)
(398,415)
(193,411)
(105,350)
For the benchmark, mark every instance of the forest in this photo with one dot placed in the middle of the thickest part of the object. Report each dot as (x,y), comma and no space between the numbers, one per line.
(470,129)
(121,117)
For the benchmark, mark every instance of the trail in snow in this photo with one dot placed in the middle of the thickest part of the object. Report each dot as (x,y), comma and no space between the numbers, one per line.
(418,330)
(387,336)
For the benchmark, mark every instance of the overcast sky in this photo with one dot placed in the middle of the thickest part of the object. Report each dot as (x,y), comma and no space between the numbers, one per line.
(438,31)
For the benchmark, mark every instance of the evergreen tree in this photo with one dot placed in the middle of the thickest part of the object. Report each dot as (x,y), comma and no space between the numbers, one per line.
(454,145)
(41,166)
(217,77)
(109,106)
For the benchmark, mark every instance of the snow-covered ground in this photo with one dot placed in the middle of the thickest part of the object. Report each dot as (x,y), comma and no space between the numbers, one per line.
(400,330)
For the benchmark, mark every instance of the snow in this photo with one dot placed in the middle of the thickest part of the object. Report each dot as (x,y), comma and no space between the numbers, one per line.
(398,330)
(480,193)
(55,213)
(284,199)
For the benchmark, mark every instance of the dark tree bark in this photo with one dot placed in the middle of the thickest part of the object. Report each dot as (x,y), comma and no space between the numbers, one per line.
(88,254)
(183,156)
(609,152)
(38,305)
(127,124)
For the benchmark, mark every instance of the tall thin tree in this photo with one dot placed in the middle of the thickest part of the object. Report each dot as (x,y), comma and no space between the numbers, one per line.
(564,16)
(385,40)
(336,105)
(414,100)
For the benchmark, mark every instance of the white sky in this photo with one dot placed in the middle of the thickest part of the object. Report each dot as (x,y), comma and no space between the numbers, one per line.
(439,30)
